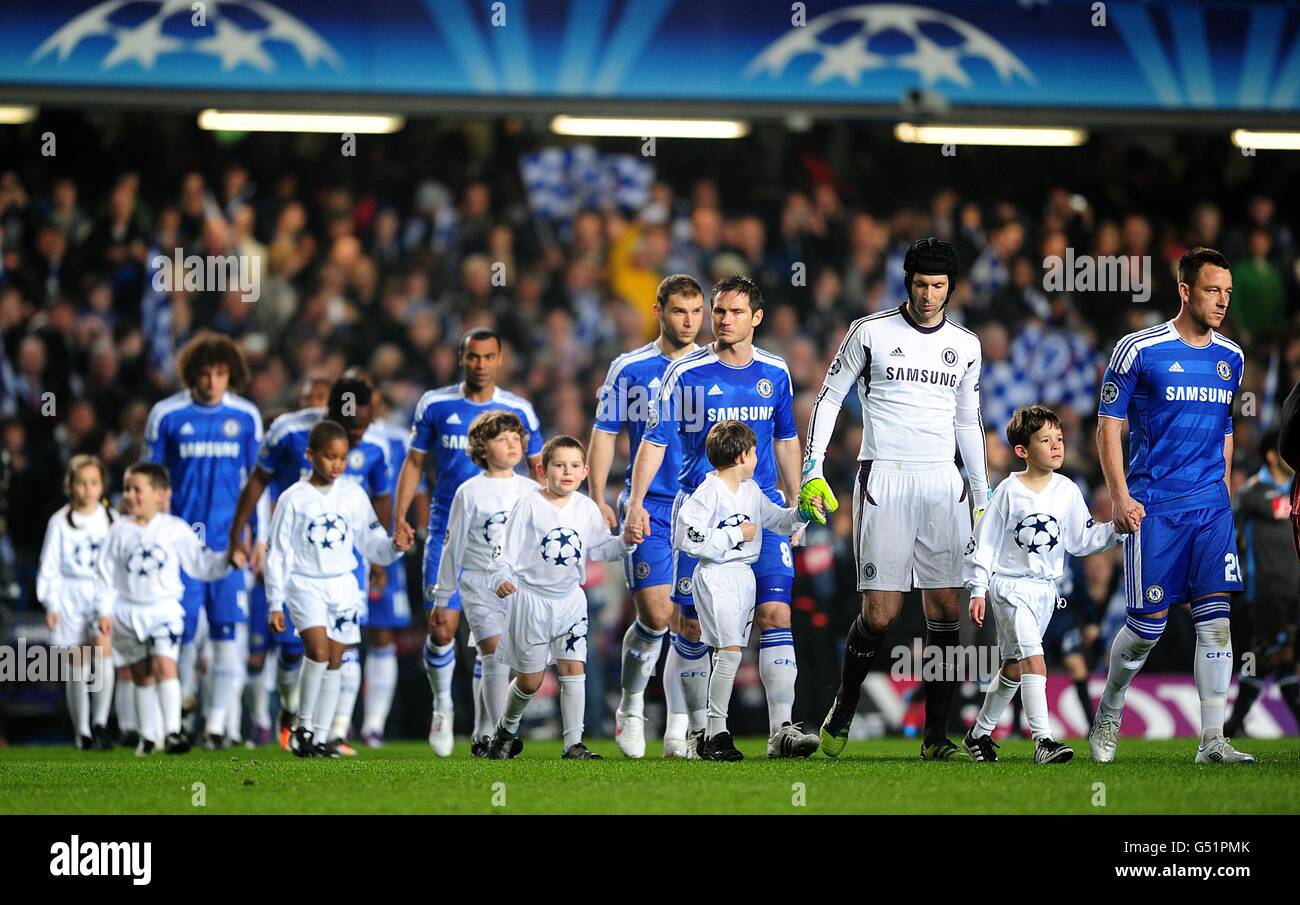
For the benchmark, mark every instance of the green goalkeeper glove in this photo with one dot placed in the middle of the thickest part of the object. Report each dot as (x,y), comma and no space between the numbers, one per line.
(814,489)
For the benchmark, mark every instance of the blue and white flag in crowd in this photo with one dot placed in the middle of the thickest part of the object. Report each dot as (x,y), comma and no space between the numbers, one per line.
(563,181)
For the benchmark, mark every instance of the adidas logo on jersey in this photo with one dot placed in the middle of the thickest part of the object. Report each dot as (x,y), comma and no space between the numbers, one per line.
(454,419)
(187,429)
(1175,368)
(715,390)
(898,352)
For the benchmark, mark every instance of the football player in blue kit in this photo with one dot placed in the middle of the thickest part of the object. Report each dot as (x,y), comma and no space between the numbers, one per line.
(732,379)
(624,401)
(1175,384)
(207,438)
(441,428)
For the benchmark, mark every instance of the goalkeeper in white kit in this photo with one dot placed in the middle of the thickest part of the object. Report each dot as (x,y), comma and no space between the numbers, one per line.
(550,534)
(721,524)
(1018,552)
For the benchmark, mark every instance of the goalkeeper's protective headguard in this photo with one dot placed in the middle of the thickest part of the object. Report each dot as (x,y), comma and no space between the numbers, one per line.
(930,256)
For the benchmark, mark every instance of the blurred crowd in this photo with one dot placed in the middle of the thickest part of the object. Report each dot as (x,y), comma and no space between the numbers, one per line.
(384,260)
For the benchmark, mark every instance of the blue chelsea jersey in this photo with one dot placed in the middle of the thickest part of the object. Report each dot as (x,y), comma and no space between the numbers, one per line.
(625,399)
(208,451)
(441,427)
(284,455)
(1178,400)
(699,390)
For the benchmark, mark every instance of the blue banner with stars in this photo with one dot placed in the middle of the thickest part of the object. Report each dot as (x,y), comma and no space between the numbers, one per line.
(1162,54)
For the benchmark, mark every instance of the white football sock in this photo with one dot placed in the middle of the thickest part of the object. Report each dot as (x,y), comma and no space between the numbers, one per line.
(349,687)
(641,647)
(1001,691)
(778,670)
(380,684)
(187,668)
(313,672)
(496,690)
(1213,672)
(225,679)
(721,680)
(146,709)
(124,703)
(516,702)
(78,695)
(259,698)
(102,701)
(675,696)
(693,658)
(573,707)
(476,691)
(1033,694)
(235,715)
(1128,652)
(326,704)
(440,666)
(288,684)
(169,699)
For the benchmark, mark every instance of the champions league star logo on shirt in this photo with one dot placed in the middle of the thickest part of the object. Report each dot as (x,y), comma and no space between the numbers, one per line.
(327,531)
(86,554)
(493,525)
(561,546)
(1037,533)
(146,560)
(731,521)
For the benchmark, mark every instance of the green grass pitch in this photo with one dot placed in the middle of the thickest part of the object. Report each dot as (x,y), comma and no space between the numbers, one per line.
(1148,777)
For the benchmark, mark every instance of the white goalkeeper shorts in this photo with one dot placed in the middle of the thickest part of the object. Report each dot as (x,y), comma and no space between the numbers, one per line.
(911,524)
(332,603)
(724,599)
(540,628)
(1022,608)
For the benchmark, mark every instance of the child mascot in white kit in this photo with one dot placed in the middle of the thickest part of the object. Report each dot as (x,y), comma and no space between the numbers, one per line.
(309,569)
(139,582)
(1034,518)
(721,524)
(65,584)
(549,536)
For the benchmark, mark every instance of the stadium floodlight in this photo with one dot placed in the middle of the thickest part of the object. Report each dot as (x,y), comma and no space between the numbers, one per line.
(16,116)
(623,127)
(277,121)
(1266,141)
(1011,136)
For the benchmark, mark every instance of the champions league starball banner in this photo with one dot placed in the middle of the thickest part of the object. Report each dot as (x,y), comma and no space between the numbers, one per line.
(1169,54)
(1155,707)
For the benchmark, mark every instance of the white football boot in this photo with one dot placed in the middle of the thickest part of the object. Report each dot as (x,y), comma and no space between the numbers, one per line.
(1218,751)
(1104,737)
(629,733)
(791,741)
(440,738)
